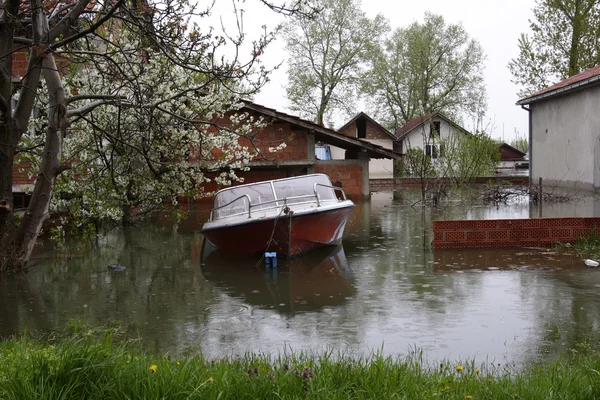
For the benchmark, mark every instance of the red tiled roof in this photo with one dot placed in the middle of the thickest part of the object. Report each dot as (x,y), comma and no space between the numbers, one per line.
(412,124)
(590,73)
(333,137)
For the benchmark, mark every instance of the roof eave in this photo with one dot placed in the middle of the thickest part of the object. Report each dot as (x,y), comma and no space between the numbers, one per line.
(574,86)
(374,151)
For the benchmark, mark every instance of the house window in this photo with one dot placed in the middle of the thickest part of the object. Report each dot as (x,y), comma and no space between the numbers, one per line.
(431,150)
(361,128)
(323,152)
(434,130)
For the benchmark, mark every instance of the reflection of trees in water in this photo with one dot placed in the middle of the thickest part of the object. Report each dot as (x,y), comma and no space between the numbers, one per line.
(160,283)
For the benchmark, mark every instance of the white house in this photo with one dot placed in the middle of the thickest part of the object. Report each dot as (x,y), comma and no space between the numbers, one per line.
(564,132)
(426,132)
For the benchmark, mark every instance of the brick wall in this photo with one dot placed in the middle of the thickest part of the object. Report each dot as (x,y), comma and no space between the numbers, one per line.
(511,232)
(372,131)
(376,185)
(19,62)
(348,176)
(21,171)
(270,136)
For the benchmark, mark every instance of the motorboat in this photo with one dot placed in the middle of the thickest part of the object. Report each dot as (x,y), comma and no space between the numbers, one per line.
(287,216)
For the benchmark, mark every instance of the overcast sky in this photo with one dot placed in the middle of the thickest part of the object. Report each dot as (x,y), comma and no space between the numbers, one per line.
(496,24)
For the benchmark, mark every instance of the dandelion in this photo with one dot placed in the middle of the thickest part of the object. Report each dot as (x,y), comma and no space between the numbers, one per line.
(447,388)
(153,368)
(210,380)
(468,397)
(477,370)
(490,380)
(459,368)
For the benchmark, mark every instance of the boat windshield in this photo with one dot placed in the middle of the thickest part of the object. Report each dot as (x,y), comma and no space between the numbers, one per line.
(302,189)
(258,193)
(234,201)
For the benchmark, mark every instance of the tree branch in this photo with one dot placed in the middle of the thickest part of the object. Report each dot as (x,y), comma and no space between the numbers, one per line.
(73,99)
(54,33)
(83,110)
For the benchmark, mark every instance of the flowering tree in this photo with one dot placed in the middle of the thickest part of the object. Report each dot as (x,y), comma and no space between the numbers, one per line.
(127,92)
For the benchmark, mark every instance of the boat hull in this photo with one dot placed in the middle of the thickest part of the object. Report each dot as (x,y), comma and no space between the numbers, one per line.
(292,233)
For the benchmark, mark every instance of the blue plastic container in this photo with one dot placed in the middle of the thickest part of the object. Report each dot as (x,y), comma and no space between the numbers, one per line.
(271,259)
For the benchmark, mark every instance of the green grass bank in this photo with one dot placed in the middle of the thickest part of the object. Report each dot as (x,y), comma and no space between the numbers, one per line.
(90,365)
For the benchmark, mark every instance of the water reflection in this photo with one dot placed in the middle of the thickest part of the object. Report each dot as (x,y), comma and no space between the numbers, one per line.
(319,279)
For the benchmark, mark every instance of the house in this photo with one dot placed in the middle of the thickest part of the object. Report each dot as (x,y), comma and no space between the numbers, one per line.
(564,132)
(511,159)
(301,155)
(365,128)
(426,132)
(297,158)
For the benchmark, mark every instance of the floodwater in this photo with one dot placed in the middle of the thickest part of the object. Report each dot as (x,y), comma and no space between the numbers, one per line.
(381,290)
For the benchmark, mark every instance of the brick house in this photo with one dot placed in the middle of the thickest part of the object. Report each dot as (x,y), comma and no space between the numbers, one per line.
(351,171)
(564,132)
(365,128)
(297,158)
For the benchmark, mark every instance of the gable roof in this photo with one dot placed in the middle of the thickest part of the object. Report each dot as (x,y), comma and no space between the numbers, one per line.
(585,78)
(325,134)
(414,123)
(509,148)
(365,116)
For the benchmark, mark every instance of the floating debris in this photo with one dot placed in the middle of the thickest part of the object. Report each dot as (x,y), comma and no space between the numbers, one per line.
(115,267)
(591,263)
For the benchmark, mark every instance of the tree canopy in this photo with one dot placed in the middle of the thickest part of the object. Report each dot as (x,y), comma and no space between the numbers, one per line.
(122,94)
(564,41)
(326,58)
(428,67)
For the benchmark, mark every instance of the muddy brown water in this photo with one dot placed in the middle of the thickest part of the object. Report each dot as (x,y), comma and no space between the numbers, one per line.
(381,290)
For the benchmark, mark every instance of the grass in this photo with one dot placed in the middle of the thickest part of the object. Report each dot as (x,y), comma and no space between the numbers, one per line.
(587,246)
(87,365)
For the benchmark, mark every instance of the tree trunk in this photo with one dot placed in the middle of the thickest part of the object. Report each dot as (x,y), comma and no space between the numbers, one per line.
(575,38)
(37,212)
(7,144)
(7,222)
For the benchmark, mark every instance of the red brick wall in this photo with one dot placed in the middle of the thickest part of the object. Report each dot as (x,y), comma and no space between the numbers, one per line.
(348,176)
(376,185)
(21,170)
(271,136)
(511,232)
(372,131)
(19,62)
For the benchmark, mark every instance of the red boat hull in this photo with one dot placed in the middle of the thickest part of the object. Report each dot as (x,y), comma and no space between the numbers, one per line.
(307,231)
